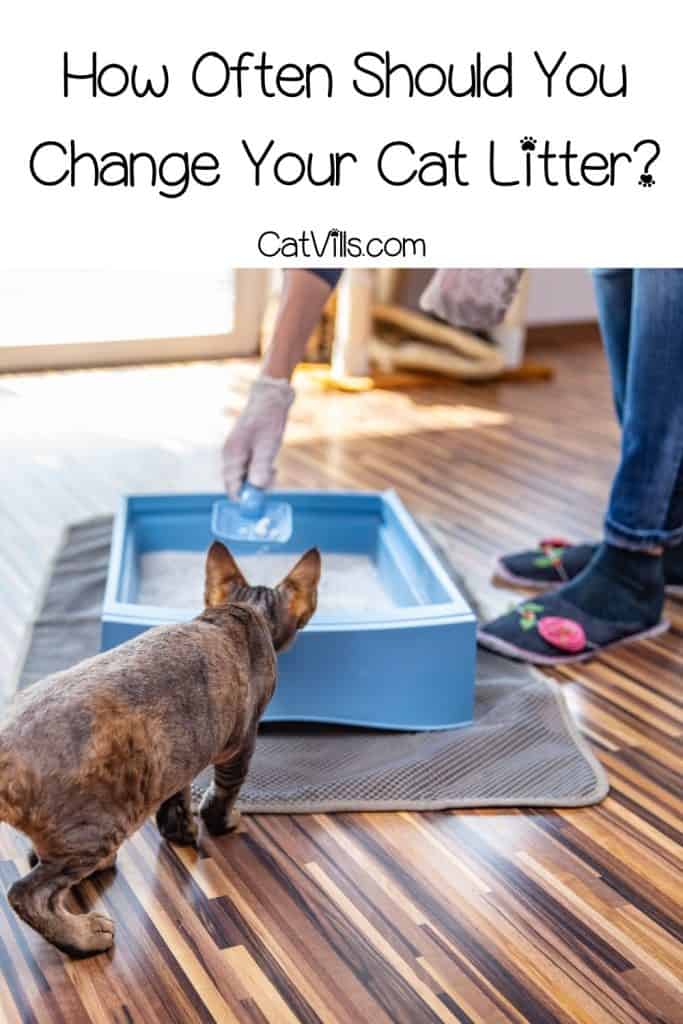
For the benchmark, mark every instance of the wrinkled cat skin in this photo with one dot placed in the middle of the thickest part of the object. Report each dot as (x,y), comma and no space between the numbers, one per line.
(88,754)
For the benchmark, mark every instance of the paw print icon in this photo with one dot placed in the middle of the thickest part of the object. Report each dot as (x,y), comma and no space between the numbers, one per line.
(646,180)
(528,143)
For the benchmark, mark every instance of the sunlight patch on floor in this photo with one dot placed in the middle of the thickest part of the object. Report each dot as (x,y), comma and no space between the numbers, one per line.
(380,414)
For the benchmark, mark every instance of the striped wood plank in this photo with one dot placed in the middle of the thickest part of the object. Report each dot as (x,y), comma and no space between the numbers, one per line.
(485,917)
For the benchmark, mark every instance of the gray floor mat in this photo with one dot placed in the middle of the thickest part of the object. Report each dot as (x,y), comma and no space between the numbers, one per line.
(522,749)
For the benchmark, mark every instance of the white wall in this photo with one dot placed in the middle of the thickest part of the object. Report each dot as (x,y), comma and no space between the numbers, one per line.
(560,296)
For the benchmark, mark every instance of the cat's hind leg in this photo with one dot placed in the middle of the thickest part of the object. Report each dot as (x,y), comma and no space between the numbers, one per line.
(39,897)
(105,865)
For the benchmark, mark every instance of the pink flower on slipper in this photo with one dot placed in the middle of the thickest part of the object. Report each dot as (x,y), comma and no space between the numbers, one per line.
(562,633)
(554,542)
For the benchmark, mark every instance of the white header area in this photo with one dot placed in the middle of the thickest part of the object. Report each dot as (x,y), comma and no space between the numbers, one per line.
(213,134)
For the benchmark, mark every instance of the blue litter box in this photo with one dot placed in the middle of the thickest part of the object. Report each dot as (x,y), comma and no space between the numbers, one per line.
(408,664)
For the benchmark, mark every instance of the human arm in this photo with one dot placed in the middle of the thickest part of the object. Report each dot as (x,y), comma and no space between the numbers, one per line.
(251,448)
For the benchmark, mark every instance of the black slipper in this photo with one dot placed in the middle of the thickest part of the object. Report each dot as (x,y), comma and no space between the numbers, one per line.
(551,631)
(555,561)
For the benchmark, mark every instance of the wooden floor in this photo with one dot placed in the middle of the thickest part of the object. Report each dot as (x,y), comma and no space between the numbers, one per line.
(487,917)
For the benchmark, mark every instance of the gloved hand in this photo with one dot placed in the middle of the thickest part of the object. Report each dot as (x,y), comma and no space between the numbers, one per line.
(253,444)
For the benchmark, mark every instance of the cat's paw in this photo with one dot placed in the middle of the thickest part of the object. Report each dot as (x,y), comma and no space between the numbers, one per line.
(85,935)
(528,143)
(176,824)
(216,816)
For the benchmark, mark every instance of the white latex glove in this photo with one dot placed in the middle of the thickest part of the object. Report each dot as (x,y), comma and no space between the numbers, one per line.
(253,444)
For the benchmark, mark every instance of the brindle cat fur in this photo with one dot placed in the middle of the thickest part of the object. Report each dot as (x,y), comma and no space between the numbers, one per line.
(86,755)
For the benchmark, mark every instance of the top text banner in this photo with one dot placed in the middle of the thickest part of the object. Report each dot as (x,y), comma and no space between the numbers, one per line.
(213,134)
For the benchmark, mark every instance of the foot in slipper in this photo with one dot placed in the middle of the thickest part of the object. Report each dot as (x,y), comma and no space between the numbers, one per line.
(556,561)
(616,599)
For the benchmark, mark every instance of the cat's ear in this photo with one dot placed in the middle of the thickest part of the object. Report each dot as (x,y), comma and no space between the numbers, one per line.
(300,586)
(222,576)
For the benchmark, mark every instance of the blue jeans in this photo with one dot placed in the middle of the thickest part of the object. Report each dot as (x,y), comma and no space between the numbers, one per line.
(641,316)
(329,276)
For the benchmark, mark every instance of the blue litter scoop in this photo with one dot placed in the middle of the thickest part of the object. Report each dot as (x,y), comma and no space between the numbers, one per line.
(252,518)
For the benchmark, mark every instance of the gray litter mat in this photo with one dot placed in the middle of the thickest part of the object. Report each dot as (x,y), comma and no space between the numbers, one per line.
(522,749)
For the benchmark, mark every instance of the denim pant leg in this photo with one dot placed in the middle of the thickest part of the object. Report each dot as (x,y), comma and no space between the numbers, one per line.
(613,292)
(329,276)
(646,502)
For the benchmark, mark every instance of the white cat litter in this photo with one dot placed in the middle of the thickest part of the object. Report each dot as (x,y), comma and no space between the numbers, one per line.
(349,583)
